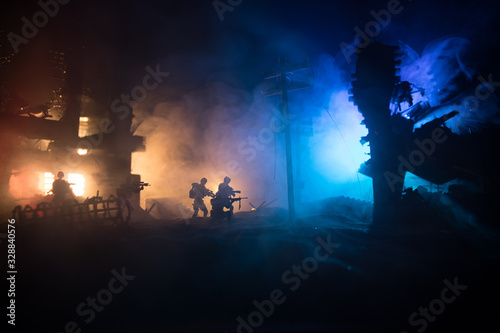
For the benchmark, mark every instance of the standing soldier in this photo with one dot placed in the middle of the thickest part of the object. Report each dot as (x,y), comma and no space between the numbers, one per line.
(61,190)
(198,192)
(124,195)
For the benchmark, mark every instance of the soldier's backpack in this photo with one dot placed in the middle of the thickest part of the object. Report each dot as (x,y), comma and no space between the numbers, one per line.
(192,193)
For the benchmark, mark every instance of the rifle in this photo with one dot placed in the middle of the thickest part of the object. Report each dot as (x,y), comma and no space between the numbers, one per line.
(237,199)
(231,200)
(140,185)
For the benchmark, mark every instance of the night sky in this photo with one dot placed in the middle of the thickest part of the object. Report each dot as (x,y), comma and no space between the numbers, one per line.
(122,37)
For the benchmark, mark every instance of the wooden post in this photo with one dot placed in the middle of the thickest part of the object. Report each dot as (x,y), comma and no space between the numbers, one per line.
(283,89)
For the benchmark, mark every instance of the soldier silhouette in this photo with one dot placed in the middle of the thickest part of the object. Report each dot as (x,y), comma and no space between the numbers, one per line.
(223,200)
(61,190)
(198,192)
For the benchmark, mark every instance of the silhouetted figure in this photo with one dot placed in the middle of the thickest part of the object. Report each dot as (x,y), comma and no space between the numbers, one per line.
(124,194)
(402,93)
(61,190)
(225,191)
(198,192)
(223,200)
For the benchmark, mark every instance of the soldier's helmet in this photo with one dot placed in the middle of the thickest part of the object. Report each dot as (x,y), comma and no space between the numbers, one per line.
(227,179)
(203,180)
(60,174)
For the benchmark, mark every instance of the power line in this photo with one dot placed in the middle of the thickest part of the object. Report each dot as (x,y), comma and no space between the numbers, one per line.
(343,139)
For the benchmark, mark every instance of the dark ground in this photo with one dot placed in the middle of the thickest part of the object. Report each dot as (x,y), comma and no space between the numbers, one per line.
(200,277)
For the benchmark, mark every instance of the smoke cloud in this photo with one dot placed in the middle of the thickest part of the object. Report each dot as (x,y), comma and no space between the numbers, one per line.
(221,128)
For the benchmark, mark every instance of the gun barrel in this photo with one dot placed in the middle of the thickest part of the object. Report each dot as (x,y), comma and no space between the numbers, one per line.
(238,199)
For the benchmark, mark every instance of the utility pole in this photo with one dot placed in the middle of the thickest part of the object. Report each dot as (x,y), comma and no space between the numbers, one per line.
(283,86)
